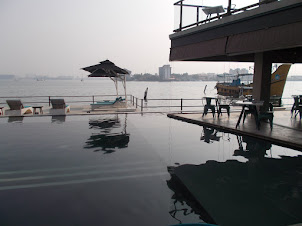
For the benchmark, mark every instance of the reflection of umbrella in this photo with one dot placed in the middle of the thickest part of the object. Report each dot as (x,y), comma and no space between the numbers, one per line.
(108,69)
(108,141)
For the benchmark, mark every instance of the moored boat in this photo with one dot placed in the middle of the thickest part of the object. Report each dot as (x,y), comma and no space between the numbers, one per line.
(237,89)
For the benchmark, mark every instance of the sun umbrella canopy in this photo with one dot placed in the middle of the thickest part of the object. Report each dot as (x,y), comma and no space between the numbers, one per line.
(105,69)
(108,69)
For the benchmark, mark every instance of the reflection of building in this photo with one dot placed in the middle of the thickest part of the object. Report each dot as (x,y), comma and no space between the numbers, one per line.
(164,72)
(261,191)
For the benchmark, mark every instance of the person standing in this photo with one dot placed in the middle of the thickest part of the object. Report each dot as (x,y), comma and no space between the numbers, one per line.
(145,95)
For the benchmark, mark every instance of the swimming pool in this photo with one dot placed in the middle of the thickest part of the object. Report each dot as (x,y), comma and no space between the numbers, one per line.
(130,169)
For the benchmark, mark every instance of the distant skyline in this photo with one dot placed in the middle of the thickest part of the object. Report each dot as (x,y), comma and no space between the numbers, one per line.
(58,37)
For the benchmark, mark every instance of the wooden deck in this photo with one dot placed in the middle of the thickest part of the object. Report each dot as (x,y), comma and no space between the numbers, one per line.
(286,131)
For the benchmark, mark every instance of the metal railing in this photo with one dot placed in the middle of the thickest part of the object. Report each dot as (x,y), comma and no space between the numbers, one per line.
(179,104)
(230,10)
(68,99)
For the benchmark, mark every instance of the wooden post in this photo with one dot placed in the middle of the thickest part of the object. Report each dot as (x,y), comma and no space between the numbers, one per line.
(142,104)
(136,102)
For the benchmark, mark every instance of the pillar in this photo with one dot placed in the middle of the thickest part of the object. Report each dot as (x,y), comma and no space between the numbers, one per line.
(262,78)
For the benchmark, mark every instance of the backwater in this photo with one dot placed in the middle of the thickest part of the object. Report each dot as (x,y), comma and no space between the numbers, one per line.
(142,169)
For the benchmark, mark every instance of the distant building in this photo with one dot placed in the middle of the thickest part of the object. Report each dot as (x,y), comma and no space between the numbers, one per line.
(164,72)
(238,71)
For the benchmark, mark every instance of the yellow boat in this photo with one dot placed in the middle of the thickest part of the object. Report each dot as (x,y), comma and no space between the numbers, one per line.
(237,89)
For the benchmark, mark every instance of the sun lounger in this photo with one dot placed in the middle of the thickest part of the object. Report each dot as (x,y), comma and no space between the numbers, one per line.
(108,103)
(16,108)
(59,107)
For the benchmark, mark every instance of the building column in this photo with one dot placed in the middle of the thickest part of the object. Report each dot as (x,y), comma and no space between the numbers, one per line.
(262,78)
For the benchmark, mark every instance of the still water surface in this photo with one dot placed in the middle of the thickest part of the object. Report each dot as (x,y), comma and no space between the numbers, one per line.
(142,170)
(104,86)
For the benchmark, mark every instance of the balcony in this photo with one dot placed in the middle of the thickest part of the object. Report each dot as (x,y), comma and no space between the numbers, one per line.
(224,33)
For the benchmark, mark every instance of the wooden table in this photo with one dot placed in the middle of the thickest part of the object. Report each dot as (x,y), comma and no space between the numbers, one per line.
(252,106)
(37,107)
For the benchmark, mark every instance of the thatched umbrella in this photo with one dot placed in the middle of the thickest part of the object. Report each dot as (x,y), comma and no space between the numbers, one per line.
(108,69)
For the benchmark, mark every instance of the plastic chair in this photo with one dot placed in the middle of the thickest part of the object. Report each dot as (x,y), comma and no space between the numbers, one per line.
(209,106)
(223,104)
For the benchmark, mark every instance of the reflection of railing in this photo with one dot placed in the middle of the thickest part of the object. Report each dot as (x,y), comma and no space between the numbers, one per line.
(229,11)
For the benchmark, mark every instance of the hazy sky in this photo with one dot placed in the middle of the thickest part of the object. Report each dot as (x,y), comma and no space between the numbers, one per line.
(58,37)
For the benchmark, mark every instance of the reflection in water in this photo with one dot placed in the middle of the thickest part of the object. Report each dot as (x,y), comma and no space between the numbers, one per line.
(255,148)
(58,119)
(209,135)
(184,203)
(261,191)
(15,119)
(106,139)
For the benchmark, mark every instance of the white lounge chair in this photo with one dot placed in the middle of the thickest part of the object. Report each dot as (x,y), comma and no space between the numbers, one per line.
(59,107)
(16,108)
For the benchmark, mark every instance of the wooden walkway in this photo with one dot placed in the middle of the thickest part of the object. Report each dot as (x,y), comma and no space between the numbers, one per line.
(286,131)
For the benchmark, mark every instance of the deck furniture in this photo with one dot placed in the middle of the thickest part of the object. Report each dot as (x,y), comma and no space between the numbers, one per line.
(37,107)
(16,108)
(223,104)
(209,105)
(250,106)
(268,115)
(297,106)
(211,10)
(106,103)
(59,107)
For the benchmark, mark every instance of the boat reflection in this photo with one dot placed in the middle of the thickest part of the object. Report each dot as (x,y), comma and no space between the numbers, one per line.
(107,140)
(261,191)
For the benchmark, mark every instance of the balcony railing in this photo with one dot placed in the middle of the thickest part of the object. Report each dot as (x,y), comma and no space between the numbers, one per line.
(202,11)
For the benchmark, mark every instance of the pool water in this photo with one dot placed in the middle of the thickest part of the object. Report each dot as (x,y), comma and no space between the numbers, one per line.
(130,169)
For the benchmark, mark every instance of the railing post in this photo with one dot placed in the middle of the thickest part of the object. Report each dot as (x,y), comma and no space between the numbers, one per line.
(93,99)
(229,7)
(49,101)
(180,22)
(136,102)
(142,104)
(197,15)
(181,104)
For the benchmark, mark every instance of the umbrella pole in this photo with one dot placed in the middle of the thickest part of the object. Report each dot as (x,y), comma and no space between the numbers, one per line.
(116,87)
(115,84)
(125,88)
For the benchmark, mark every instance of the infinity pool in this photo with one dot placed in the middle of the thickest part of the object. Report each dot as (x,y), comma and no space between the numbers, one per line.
(131,170)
